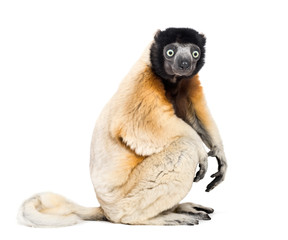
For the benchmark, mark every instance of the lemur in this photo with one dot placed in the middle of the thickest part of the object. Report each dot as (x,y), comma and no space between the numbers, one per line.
(147,144)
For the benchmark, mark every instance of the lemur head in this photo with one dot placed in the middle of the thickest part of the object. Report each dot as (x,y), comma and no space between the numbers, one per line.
(177,53)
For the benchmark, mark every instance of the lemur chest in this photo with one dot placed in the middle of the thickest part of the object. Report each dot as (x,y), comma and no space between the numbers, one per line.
(178,96)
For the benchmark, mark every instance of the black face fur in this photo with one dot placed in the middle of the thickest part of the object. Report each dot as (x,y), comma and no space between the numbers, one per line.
(175,35)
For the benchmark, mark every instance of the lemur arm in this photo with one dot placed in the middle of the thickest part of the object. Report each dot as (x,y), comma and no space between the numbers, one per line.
(200,119)
(148,124)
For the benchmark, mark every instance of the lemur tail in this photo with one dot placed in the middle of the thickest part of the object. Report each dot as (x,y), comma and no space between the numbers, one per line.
(53,210)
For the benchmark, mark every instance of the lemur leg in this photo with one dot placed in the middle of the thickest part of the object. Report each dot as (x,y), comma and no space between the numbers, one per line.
(156,185)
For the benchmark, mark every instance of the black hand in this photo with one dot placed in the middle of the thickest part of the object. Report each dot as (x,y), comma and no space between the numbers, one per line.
(219,176)
(203,166)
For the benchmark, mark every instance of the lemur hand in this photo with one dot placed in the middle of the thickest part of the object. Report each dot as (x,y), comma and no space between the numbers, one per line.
(203,166)
(222,167)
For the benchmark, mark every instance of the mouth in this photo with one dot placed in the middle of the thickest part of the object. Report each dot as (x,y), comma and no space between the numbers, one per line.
(183,72)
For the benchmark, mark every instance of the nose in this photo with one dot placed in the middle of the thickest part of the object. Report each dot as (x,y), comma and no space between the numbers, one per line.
(184,64)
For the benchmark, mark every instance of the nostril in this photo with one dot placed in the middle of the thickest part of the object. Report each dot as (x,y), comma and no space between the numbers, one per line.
(184,65)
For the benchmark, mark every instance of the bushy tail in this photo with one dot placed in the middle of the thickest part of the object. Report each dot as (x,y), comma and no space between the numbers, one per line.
(53,210)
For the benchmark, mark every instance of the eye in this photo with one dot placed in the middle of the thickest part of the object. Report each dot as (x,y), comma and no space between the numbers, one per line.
(170,52)
(195,54)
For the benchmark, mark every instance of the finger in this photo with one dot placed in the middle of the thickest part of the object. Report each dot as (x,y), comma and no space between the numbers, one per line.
(201,173)
(199,207)
(214,183)
(217,174)
(207,210)
(196,179)
(199,176)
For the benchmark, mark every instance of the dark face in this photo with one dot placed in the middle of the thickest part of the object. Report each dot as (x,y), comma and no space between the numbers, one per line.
(177,53)
(180,59)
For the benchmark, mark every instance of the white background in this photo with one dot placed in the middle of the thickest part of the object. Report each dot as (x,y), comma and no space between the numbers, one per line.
(61,61)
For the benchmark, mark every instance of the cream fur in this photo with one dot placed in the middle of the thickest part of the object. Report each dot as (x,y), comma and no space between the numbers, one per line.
(49,209)
(143,161)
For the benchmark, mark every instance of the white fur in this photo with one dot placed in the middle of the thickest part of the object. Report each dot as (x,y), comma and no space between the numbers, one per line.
(53,210)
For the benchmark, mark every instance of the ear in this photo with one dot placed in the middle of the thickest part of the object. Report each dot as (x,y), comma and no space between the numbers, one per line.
(203,38)
(157,33)
(202,35)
